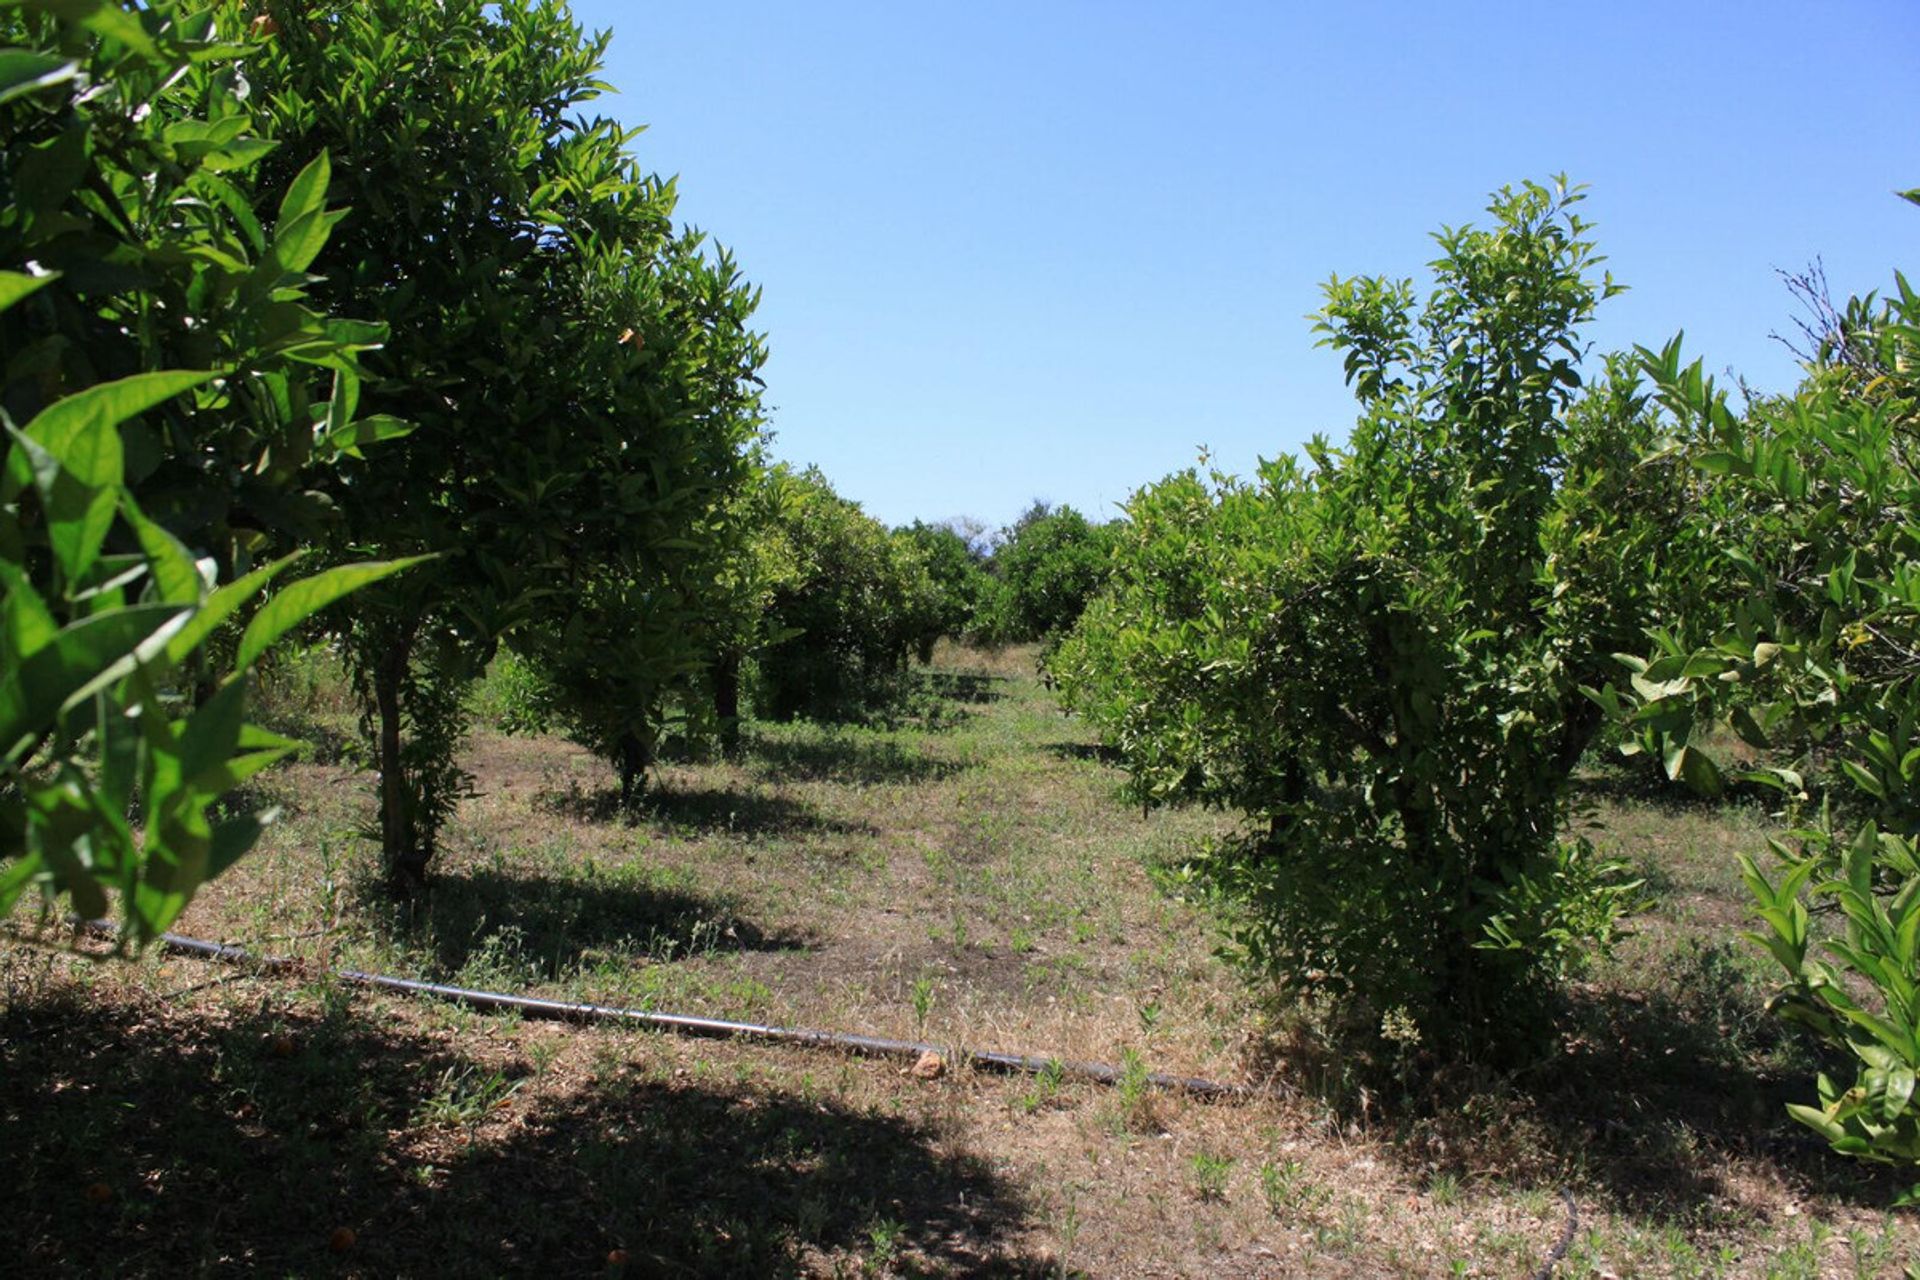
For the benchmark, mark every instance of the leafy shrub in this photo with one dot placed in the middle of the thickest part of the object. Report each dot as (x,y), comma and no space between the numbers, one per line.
(959,578)
(144,304)
(1378,660)
(1877,1115)
(1812,517)
(1048,566)
(857,604)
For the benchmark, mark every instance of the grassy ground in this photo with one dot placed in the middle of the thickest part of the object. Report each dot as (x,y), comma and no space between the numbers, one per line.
(977,884)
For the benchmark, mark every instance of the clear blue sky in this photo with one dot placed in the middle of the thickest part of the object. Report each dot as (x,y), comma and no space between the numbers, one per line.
(1050,249)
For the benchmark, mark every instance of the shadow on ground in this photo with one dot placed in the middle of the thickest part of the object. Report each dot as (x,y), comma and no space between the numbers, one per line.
(963,686)
(1097,752)
(534,929)
(1655,1099)
(706,810)
(164,1145)
(853,759)
(1640,783)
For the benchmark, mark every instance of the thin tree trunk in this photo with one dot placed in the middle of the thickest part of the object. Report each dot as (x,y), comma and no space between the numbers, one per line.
(726,702)
(406,865)
(635,758)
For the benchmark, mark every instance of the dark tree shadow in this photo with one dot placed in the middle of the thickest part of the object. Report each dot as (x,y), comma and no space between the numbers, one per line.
(963,686)
(1649,1100)
(700,809)
(1657,1093)
(1097,752)
(176,1146)
(1626,782)
(846,758)
(688,1180)
(540,929)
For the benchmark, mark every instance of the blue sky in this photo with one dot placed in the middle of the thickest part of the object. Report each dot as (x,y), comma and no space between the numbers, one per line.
(1051,249)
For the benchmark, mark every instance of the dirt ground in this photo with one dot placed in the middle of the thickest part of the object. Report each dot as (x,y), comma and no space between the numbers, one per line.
(971,879)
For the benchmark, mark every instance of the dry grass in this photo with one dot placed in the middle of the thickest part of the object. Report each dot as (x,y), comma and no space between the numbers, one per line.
(976,884)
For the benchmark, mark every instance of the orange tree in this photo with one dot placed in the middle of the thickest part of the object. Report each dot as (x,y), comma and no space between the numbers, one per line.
(1378,659)
(167,388)
(1813,522)
(526,267)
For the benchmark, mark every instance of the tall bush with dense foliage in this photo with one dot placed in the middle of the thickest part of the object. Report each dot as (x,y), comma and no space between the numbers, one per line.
(857,604)
(659,604)
(1814,521)
(1050,563)
(163,392)
(542,314)
(959,576)
(1378,658)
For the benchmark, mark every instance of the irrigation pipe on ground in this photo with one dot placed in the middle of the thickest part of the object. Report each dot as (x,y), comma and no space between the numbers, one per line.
(712,1028)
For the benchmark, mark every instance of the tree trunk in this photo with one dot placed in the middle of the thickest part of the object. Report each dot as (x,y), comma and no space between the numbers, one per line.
(1579,726)
(406,863)
(726,702)
(635,758)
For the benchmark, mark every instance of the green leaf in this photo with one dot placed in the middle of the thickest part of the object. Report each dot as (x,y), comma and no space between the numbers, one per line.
(241,153)
(233,838)
(16,875)
(75,428)
(104,18)
(34,692)
(220,605)
(16,285)
(212,732)
(1748,728)
(174,571)
(26,624)
(297,244)
(355,435)
(306,194)
(342,403)
(118,752)
(23,71)
(191,139)
(1817,1120)
(231,772)
(78,514)
(230,198)
(1863,780)
(60,829)
(293,605)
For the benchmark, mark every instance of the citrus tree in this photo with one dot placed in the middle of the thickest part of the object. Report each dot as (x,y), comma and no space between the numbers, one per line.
(649,618)
(1045,569)
(167,386)
(1377,654)
(527,269)
(1813,525)
(855,606)
(958,572)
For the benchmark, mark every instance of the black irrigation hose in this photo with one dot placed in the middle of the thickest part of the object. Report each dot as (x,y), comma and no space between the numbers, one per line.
(716,1028)
(1566,1238)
